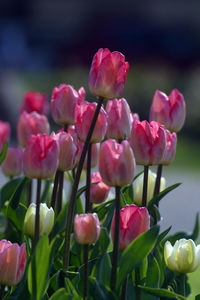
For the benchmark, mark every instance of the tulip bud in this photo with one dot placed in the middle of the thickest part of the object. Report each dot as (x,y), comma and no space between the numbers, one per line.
(12,262)
(119,120)
(169,111)
(116,163)
(63,102)
(4,133)
(95,154)
(34,101)
(29,124)
(184,257)
(41,157)
(170,149)
(98,192)
(148,141)
(68,150)
(82,94)
(13,163)
(86,228)
(134,220)
(138,187)
(108,74)
(46,220)
(134,117)
(83,118)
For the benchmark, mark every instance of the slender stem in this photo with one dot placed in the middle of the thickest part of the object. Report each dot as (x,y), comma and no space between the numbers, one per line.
(75,188)
(113,278)
(88,180)
(29,192)
(158,178)
(85,257)
(37,215)
(74,173)
(182,284)
(145,186)
(137,282)
(124,287)
(60,191)
(55,188)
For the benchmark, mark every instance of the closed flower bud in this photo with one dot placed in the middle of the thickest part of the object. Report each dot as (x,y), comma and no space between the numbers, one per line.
(134,220)
(29,124)
(184,257)
(138,187)
(41,157)
(46,220)
(94,156)
(116,163)
(34,101)
(119,120)
(83,118)
(63,102)
(170,149)
(86,228)
(4,133)
(108,74)
(169,111)
(148,141)
(68,150)
(12,262)
(98,192)
(13,163)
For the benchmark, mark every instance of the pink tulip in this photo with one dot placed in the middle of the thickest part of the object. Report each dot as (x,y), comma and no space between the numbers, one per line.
(68,150)
(86,228)
(12,262)
(72,130)
(41,157)
(116,163)
(98,192)
(95,154)
(108,74)
(134,117)
(169,111)
(29,124)
(63,102)
(119,121)
(134,220)
(82,94)
(83,117)
(4,133)
(13,163)
(148,141)
(170,149)
(34,101)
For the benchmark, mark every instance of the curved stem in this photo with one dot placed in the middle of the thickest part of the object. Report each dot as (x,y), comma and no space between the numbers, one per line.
(124,287)
(60,191)
(29,191)
(158,179)
(182,284)
(145,186)
(37,215)
(113,278)
(88,180)
(75,188)
(55,188)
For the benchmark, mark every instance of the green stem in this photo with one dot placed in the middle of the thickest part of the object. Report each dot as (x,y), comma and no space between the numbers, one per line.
(145,186)
(124,288)
(29,193)
(60,191)
(137,282)
(37,215)
(55,188)
(113,278)
(71,206)
(182,284)
(158,179)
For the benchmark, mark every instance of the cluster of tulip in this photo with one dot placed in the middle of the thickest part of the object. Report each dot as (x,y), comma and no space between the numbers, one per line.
(116,140)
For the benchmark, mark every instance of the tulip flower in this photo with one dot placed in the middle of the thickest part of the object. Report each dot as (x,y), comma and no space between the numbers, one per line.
(86,228)
(41,157)
(13,163)
(63,102)
(98,192)
(119,119)
(134,220)
(134,117)
(83,117)
(68,150)
(95,154)
(29,124)
(34,101)
(4,133)
(82,94)
(116,163)
(46,220)
(12,262)
(138,187)
(148,141)
(108,74)
(170,149)
(184,257)
(168,110)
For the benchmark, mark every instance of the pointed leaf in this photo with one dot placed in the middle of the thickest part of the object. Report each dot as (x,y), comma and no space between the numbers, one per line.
(162,293)
(3,152)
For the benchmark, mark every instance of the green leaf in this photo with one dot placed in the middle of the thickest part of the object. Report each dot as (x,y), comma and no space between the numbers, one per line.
(197,297)
(136,252)
(102,270)
(156,199)
(21,291)
(98,291)
(45,193)
(61,294)
(128,194)
(38,269)
(102,244)
(60,222)
(153,276)
(16,216)
(103,209)
(79,206)
(7,190)
(163,234)
(15,197)
(162,293)
(3,152)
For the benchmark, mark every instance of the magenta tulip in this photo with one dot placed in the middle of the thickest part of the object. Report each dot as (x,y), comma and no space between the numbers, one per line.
(86,228)
(34,101)
(4,133)
(98,192)
(13,163)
